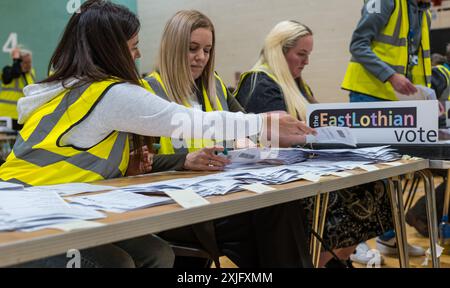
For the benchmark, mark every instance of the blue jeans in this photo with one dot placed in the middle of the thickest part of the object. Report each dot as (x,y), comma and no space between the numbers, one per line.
(358,97)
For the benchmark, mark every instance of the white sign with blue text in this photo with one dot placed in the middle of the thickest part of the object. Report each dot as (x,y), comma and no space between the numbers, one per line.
(406,122)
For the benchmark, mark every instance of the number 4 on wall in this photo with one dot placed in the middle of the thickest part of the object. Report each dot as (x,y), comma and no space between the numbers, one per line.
(11,43)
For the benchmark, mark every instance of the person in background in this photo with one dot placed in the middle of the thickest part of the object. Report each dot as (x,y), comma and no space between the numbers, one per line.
(390,51)
(185,74)
(391,54)
(447,54)
(13,79)
(276,82)
(438,59)
(440,82)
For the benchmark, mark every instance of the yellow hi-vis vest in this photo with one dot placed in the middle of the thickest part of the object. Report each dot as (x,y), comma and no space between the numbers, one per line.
(444,71)
(39,157)
(171,146)
(12,92)
(266,70)
(391,46)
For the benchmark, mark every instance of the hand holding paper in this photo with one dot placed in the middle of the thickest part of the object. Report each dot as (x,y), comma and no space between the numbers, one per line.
(333,134)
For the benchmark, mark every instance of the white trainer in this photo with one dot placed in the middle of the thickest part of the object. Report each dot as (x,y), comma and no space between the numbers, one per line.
(362,255)
(390,248)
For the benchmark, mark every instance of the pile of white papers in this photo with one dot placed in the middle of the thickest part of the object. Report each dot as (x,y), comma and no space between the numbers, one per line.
(25,211)
(118,201)
(371,154)
(37,207)
(71,188)
(319,163)
(10,186)
(265,156)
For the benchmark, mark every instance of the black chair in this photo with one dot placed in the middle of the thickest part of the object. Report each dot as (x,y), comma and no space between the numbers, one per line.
(191,256)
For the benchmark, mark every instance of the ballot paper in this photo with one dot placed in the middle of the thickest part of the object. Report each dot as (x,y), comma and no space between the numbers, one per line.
(71,188)
(266,156)
(332,134)
(10,186)
(308,165)
(423,93)
(118,201)
(21,210)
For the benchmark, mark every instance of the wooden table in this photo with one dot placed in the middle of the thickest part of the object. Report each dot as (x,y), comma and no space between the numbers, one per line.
(20,247)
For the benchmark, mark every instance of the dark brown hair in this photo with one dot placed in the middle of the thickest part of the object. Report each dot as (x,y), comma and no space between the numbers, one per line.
(94,48)
(94,45)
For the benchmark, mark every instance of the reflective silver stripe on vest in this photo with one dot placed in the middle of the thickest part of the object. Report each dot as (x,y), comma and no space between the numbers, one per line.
(159,91)
(8,102)
(398,69)
(221,95)
(16,87)
(395,39)
(445,72)
(426,54)
(428,79)
(13,90)
(157,87)
(24,150)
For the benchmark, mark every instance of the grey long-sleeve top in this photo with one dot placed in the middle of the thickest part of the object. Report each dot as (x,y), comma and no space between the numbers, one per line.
(371,25)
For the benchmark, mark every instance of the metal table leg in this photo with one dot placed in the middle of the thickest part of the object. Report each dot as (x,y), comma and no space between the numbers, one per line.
(398,213)
(447,194)
(315,226)
(321,227)
(430,194)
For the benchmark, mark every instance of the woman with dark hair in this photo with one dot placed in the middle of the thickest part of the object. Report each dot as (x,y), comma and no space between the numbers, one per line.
(76,122)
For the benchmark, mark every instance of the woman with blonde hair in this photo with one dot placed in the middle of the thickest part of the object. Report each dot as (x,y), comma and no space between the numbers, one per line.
(269,237)
(276,83)
(185,72)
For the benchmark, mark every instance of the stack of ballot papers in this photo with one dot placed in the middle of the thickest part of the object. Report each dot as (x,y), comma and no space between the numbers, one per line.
(372,154)
(288,156)
(118,201)
(37,207)
(269,156)
(312,165)
(71,188)
(25,211)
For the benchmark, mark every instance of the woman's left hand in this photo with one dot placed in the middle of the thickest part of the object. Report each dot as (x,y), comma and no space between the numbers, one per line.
(206,160)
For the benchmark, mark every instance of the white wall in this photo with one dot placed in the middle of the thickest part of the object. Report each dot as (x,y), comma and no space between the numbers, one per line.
(242,25)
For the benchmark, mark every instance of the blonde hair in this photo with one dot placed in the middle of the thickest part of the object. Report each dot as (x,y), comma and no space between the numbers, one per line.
(173,63)
(280,40)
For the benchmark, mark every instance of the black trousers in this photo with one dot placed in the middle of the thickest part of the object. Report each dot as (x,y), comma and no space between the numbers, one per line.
(272,237)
